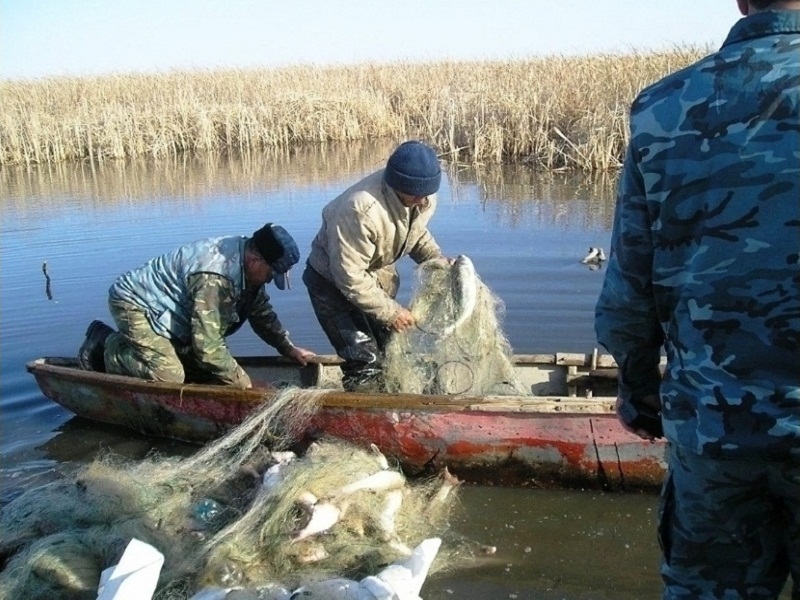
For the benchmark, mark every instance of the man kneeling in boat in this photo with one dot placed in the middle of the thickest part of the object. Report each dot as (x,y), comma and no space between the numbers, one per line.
(174,312)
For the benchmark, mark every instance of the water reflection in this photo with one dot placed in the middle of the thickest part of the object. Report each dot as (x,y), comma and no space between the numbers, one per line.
(524,195)
(189,176)
(516,193)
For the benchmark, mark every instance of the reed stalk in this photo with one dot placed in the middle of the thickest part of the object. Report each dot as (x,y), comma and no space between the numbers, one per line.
(555,113)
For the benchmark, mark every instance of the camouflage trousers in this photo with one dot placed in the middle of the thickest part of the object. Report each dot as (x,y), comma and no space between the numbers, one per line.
(729,529)
(138,351)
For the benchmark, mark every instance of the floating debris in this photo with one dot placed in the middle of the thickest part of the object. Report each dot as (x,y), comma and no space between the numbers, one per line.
(47,291)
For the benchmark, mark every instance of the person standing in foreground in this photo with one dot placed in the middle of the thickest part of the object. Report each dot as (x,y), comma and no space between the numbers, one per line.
(350,273)
(705,263)
(174,312)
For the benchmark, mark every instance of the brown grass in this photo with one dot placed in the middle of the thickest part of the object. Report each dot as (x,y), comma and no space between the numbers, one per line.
(553,113)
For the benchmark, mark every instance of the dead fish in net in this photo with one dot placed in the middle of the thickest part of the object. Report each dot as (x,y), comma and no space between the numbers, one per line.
(389,509)
(463,290)
(311,554)
(324,515)
(275,474)
(377,482)
(449,482)
(383,463)
(464,287)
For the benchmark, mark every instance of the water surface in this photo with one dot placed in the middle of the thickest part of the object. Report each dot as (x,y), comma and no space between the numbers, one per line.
(525,233)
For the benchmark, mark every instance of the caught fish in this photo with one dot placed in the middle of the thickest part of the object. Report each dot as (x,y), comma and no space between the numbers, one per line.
(377,482)
(307,500)
(376,452)
(283,456)
(275,474)
(449,482)
(401,580)
(311,554)
(324,515)
(386,519)
(464,289)
(458,300)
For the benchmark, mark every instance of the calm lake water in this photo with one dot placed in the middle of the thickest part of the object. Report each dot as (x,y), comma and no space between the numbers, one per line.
(526,234)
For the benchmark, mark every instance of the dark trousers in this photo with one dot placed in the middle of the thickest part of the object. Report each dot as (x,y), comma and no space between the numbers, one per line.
(359,339)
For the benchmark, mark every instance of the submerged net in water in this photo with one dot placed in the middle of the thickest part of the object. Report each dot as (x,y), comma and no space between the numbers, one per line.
(458,346)
(236,514)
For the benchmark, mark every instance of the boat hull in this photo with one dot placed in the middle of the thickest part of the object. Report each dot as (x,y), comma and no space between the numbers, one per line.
(546,441)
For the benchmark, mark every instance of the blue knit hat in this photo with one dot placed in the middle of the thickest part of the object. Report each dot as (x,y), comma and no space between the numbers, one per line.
(279,249)
(413,169)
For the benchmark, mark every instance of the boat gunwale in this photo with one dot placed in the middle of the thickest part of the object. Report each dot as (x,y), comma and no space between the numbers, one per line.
(543,405)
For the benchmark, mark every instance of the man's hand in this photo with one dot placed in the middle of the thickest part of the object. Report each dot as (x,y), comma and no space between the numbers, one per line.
(301,355)
(650,402)
(404,320)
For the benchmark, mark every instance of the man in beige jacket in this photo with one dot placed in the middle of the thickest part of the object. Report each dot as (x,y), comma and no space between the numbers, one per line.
(350,273)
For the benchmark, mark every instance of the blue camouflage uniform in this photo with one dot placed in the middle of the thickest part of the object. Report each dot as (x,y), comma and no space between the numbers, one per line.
(704,264)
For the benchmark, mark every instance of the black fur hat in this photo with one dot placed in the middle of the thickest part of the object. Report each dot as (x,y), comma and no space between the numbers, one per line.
(279,249)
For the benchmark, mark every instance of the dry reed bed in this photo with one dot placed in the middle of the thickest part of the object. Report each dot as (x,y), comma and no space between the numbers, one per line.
(554,113)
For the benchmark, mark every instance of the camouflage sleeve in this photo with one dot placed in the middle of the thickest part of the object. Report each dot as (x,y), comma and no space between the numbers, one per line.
(213,305)
(626,320)
(267,326)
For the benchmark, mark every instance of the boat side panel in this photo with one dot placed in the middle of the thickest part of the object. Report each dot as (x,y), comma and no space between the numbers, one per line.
(580,449)
(191,416)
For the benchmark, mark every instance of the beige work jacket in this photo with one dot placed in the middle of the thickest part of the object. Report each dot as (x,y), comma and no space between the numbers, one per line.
(365,230)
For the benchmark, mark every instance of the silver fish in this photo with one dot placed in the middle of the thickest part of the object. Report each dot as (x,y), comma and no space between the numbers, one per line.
(274,475)
(464,289)
(324,515)
(449,482)
(383,463)
(392,502)
(377,482)
(401,580)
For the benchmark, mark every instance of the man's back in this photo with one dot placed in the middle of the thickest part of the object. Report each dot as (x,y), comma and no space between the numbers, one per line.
(712,227)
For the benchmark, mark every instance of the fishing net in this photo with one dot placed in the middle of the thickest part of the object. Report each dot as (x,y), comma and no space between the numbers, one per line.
(236,514)
(458,346)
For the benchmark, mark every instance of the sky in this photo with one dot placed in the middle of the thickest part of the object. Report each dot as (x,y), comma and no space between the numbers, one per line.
(44,38)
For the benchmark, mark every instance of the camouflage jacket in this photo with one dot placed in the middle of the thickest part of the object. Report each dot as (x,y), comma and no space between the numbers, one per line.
(196,296)
(705,245)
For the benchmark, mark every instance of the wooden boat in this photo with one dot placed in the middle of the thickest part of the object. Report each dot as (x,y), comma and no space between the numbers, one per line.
(565,434)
